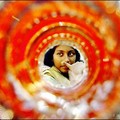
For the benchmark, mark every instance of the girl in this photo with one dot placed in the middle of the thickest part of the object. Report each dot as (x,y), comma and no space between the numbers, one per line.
(60,60)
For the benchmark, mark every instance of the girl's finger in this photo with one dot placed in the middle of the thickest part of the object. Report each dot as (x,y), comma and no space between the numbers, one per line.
(68,65)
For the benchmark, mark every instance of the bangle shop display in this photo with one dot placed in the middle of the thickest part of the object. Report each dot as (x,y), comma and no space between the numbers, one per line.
(28,29)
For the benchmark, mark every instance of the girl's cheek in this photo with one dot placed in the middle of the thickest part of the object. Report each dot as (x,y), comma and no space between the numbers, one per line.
(72,60)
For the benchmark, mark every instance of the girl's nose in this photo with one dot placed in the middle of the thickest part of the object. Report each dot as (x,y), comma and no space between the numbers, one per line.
(66,59)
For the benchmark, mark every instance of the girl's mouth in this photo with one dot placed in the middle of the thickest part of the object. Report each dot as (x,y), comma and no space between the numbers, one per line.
(65,67)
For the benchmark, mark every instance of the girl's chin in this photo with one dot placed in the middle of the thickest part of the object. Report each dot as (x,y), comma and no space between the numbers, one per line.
(64,71)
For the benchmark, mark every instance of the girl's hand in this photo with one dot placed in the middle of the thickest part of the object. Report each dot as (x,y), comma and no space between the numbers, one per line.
(77,67)
(77,72)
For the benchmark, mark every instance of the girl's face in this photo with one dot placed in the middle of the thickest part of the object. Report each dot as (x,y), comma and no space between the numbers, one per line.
(62,55)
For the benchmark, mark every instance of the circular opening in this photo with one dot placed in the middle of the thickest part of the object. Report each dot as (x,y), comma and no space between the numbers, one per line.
(63,65)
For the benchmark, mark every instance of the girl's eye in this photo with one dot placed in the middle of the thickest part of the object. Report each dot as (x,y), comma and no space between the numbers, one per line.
(70,54)
(60,54)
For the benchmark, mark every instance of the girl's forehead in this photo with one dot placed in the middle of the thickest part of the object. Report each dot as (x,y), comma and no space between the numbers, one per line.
(64,48)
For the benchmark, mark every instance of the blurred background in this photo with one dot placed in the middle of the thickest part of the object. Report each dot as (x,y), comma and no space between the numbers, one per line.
(26,28)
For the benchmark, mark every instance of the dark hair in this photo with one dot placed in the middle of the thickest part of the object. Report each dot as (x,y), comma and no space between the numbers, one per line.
(48,60)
